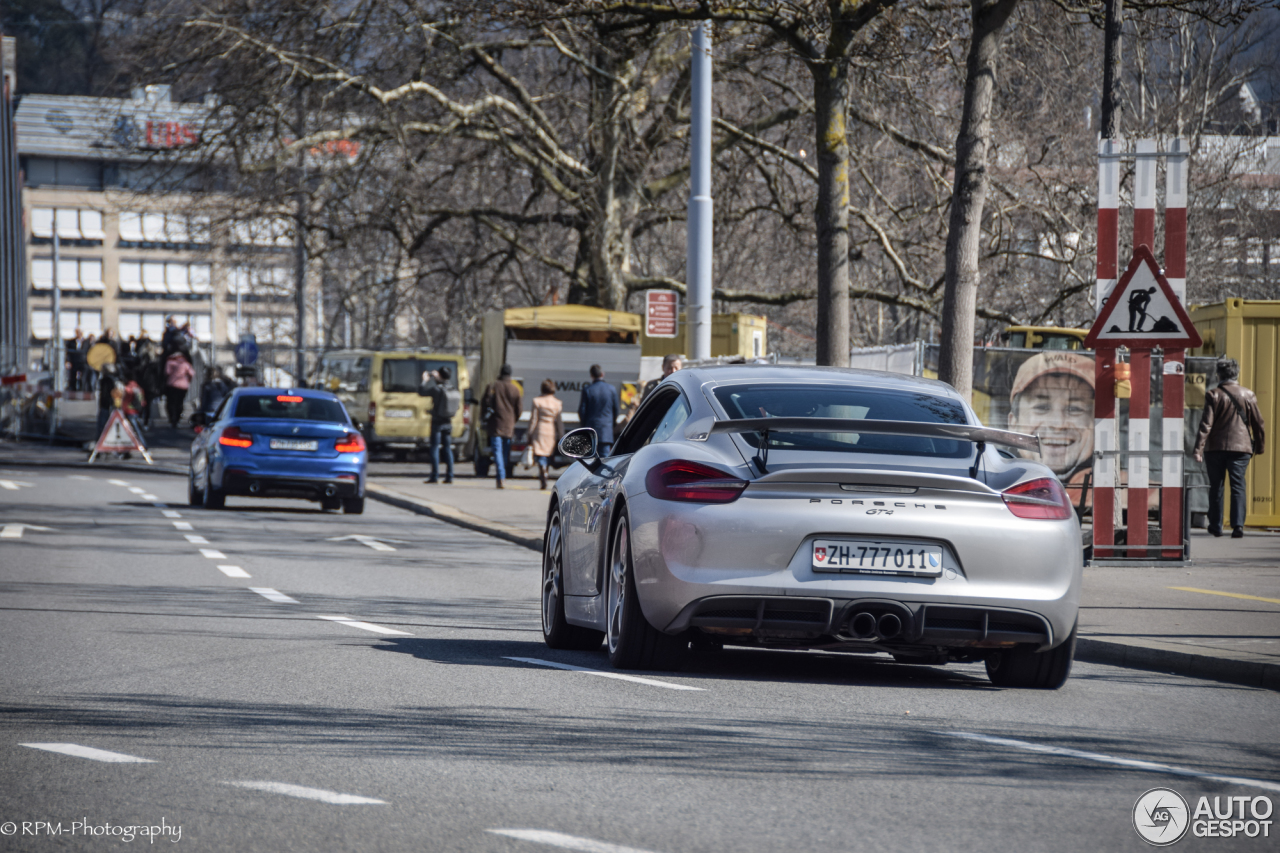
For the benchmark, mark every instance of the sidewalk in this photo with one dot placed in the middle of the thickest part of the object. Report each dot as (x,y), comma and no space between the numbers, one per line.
(1219,619)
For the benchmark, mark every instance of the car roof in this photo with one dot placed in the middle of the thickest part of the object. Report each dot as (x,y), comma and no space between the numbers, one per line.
(725,373)
(315,393)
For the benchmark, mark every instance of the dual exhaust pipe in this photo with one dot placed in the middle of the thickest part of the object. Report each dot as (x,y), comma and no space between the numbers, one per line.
(865,625)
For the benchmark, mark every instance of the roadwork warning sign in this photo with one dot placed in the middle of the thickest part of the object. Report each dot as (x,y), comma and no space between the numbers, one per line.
(1142,311)
(118,437)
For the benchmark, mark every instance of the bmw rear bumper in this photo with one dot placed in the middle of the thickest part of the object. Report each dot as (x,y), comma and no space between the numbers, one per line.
(254,484)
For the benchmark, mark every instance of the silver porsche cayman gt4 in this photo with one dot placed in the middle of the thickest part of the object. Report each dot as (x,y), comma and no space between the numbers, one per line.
(803,507)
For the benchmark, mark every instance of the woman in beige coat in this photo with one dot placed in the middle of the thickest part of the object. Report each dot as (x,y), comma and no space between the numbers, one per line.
(545,427)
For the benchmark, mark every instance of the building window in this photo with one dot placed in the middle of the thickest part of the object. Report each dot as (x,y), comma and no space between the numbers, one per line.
(179,229)
(133,323)
(89,322)
(268,231)
(165,278)
(79,274)
(69,223)
(265,328)
(260,283)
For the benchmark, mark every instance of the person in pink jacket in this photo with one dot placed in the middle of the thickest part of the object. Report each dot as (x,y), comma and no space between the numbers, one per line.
(178,373)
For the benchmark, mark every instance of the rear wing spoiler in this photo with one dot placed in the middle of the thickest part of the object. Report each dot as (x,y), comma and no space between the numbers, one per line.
(961,432)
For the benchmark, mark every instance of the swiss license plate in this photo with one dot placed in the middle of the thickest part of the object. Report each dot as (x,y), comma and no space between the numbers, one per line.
(877,556)
(293,444)
(397,413)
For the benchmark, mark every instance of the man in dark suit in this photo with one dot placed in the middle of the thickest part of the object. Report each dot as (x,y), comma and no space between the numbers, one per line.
(503,402)
(599,408)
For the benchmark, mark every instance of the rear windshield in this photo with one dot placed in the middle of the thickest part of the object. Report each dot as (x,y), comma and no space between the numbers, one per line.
(404,375)
(846,401)
(289,408)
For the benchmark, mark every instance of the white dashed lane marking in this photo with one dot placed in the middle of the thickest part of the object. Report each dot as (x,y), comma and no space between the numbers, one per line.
(213,554)
(118,482)
(195,539)
(332,797)
(14,485)
(79,477)
(79,751)
(1131,763)
(136,490)
(617,675)
(182,525)
(233,571)
(272,595)
(170,513)
(364,626)
(566,842)
(149,497)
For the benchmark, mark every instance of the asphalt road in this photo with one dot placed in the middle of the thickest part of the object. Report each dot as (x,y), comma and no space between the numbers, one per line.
(322,694)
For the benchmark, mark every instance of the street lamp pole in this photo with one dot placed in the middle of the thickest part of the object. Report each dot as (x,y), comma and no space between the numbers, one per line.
(698,263)
(57,349)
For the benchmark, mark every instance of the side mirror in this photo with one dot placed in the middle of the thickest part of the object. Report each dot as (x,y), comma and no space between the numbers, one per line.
(582,443)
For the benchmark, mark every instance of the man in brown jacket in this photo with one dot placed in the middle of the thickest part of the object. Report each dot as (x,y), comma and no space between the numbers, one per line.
(1224,443)
(503,402)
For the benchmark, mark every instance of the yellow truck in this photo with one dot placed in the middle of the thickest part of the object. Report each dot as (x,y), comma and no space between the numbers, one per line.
(380,391)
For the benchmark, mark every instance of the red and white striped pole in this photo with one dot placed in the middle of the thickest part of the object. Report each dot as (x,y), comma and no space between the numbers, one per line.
(1105,441)
(1175,263)
(1139,468)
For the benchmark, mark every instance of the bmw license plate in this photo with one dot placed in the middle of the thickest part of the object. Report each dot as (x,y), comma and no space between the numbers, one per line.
(294,444)
(397,413)
(876,556)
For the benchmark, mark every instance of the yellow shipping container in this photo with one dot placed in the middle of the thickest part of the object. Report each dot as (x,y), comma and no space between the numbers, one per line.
(731,334)
(1249,331)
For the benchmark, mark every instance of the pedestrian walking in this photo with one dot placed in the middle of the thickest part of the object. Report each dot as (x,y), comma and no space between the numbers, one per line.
(599,408)
(213,391)
(545,427)
(108,379)
(1225,445)
(178,374)
(501,406)
(445,402)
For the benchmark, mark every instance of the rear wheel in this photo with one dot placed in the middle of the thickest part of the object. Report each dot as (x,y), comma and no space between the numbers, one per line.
(556,630)
(353,506)
(1036,670)
(194,498)
(633,642)
(213,498)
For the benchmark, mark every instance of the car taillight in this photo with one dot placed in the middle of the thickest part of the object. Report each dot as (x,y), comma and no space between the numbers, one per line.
(235,437)
(681,480)
(352,442)
(1042,498)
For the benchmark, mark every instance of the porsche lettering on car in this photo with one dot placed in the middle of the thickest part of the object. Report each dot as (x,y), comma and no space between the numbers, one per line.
(803,508)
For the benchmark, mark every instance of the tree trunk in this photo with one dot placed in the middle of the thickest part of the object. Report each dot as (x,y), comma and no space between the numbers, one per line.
(831,96)
(1110,118)
(964,234)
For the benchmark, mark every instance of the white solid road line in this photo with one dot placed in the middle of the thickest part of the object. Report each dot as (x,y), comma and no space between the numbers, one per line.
(323,796)
(233,571)
(271,595)
(182,525)
(196,540)
(1131,763)
(170,513)
(79,751)
(369,541)
(118,482)
(213,554)
(364,626)
(568,842)
(619,676)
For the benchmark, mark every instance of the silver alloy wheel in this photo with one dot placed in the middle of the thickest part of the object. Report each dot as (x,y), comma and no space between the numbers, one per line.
(551,575)
(617,594)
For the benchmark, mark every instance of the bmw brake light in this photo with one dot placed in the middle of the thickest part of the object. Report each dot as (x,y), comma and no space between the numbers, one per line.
(1042,498)
(352,442)
(681,480)
(235,437)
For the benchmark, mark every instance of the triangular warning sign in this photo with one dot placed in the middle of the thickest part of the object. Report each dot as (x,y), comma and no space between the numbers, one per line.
(118,437)
(1142,311)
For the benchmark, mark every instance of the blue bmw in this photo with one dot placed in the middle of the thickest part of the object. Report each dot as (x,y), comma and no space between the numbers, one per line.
(278,442)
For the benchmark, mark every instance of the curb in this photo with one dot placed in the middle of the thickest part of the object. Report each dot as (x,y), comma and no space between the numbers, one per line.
(1159,659)
(455,516)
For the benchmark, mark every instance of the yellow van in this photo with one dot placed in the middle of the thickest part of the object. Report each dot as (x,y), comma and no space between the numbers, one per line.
(380,391)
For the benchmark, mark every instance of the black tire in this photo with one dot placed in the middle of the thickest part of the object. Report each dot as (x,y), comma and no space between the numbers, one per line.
(194,498)
(330,504)
(353,506)
(633,643)
(1036,670)
(557,633)
(213,498)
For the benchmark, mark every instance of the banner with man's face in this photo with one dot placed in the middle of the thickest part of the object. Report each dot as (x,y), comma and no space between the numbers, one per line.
(1052,398)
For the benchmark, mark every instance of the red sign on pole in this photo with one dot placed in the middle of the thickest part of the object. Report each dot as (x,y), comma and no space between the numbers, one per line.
(660,310)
